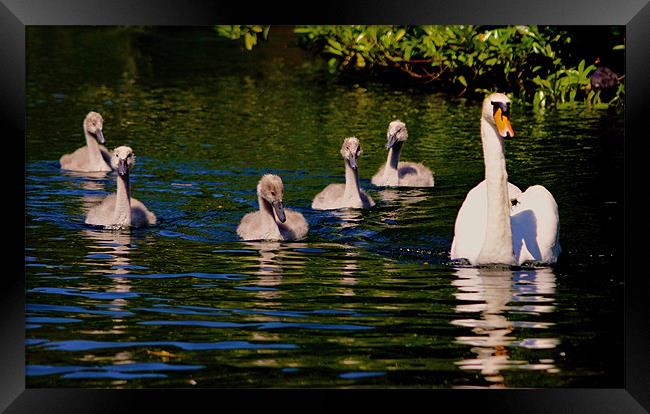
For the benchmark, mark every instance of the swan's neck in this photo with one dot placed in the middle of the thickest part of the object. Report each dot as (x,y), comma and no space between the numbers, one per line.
(123,201)
(266,211)
(94,153)
(497,247)
(391,175)
(351,183)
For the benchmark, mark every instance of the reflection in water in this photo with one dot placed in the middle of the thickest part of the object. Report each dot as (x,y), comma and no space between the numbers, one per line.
(350,268)
(349,217)
(403,196)
(270,268)
(397,200)
(113,247)
(490,292)
(92,182)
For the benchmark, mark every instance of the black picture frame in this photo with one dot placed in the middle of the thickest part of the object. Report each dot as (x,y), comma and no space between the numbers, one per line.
(16,14)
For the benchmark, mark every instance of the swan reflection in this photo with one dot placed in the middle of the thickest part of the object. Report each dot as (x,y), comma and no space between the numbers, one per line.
(95,188)
(269,266)
(350,268)
(402,196)
(348,218)
(498,296)
(109,255)
(397,200)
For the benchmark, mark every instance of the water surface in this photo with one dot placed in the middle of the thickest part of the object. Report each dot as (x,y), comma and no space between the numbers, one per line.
(369,298)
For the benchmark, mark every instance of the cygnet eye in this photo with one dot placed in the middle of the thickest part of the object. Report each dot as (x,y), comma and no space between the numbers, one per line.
(273,193)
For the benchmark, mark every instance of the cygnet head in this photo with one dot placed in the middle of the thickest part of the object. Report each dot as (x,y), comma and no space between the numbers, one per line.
(351,151)
(123,159)
(496,111)
(397,132)
(271,189)
(94,124)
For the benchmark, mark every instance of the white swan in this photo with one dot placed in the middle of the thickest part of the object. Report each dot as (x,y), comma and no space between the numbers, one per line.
(497,223)
(348,195)
(120,210)
(272,221)
(93,157)
(400,174)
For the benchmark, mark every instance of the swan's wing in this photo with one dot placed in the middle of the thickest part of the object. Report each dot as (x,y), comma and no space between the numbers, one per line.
(535,226)
(378,178)
(141,215)
(106,155)
(329,198)
(102,214)
(247,226)
(296,225)
(414,174)
(366,199)
(74,161)
(471,222)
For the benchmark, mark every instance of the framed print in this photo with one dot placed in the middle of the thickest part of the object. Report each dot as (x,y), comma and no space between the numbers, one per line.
(346,203)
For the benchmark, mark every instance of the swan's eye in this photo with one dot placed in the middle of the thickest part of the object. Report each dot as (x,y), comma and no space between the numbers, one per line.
(504,106)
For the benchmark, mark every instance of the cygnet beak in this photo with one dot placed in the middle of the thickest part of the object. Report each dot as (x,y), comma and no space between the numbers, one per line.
(279,211)
(353,161)
(122,167)
(100,136)
(392,139)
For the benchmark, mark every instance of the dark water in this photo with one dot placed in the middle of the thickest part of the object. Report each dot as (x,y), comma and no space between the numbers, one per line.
(368,299)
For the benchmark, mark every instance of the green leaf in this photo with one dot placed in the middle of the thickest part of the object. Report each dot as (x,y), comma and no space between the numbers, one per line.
(249,41)
(334,44)
(361,62)
(333,51)
(400,34)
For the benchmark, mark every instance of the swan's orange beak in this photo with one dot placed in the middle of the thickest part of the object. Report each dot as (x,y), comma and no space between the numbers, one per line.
(503,124)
